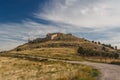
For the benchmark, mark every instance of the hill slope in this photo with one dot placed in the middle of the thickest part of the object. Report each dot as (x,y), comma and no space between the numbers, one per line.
(60,40)
(59,45)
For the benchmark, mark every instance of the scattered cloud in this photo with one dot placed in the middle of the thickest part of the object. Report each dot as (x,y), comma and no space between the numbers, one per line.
(87,13)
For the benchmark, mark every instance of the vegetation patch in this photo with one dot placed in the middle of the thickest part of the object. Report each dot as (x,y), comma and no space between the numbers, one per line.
(94,73)
(115,62)
(101,54)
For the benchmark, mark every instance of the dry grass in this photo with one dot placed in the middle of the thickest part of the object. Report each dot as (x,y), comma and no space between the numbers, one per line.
(103,60)
(49,51)
(63,44)
(59,53)
(17,69)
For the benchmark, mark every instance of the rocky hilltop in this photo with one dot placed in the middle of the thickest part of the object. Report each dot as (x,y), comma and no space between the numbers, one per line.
(56,37)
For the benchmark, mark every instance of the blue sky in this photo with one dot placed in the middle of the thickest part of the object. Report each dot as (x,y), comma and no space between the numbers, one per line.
(21,20)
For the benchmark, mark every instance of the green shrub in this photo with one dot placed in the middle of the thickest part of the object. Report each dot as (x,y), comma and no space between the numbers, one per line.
(117,63)
(94,73)
(18,49)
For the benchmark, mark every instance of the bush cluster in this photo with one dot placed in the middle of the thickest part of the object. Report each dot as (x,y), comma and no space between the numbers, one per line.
(88,52)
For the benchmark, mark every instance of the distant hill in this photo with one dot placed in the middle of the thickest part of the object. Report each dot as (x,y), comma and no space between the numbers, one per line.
(56,40)
(60,45)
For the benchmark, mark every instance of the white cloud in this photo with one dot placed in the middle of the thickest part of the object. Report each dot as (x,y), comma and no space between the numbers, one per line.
(87,13)
(9,45)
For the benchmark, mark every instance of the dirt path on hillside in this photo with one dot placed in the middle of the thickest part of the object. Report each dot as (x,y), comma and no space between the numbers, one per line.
(108,71)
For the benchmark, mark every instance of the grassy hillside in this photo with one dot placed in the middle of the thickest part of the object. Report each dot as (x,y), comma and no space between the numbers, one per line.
(63,44)
(59,45)
(62,40)
(59,53)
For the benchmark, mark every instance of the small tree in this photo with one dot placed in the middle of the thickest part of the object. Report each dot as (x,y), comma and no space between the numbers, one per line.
(99,42)
(93,41)
(18,49)
(81,51)
(115,47)
(116,55)
(103,48)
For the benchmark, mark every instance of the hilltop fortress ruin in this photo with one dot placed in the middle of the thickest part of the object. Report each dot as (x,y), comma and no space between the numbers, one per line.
(53,36)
